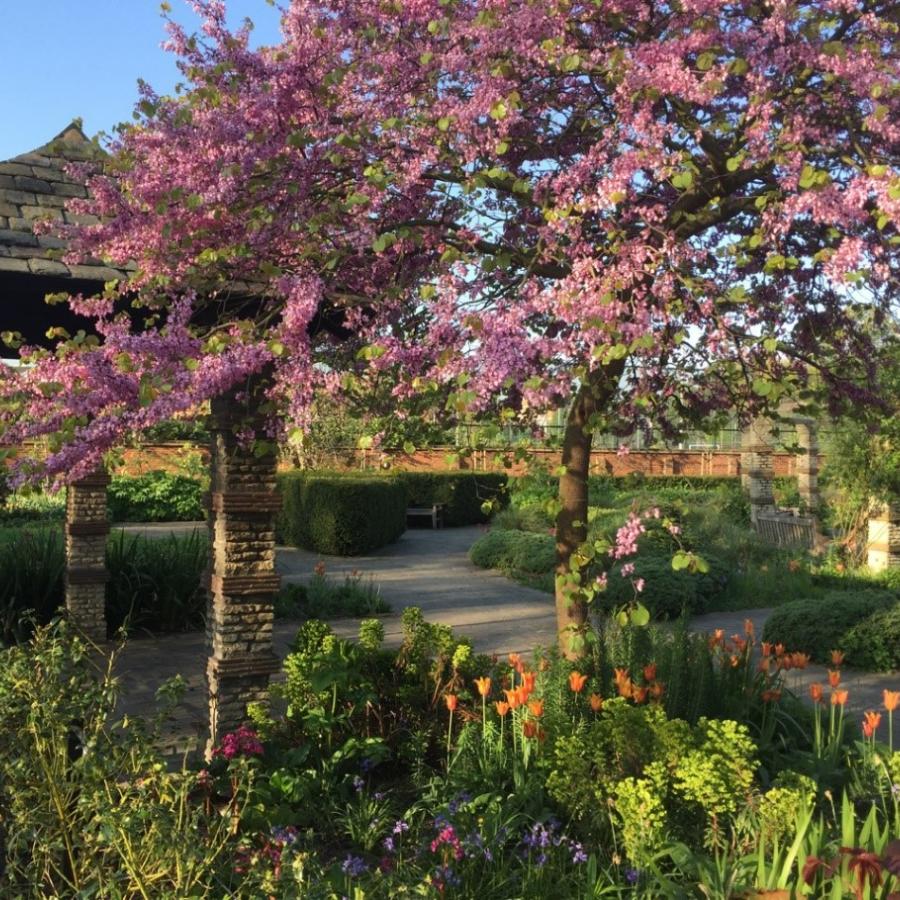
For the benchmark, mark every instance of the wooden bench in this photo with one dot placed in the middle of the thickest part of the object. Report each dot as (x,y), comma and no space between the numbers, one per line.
(782,529)
(435,513)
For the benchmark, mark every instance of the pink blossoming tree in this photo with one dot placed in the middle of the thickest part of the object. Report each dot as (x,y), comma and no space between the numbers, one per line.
(661,209)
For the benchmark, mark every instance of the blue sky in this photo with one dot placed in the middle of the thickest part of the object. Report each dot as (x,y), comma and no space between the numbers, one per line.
(68,58)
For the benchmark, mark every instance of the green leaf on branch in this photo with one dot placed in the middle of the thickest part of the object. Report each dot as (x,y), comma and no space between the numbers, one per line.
(640,615)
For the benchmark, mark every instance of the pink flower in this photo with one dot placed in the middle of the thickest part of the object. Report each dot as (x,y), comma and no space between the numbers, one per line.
(243,742)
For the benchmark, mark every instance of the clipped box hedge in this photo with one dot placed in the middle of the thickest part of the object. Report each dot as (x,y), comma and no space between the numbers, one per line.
(341,515)
(462,494)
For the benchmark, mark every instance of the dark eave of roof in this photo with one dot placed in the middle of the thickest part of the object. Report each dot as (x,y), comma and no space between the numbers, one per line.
(35,186)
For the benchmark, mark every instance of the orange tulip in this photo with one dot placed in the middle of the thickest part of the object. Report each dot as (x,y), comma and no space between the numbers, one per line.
(529,728)
(536,708)
(512,698)
(873,720)
(596,702)
(483,685)
(657,689)
(766,648)
(502,708)
(639,694)
(522,694)
(620,675)
(779,649)
(452,701)
(739,643)
(625,687)
(815,691)
(650,672)
(718,636)
(839,697)
(764,665)
(735,660)
(786,662)
(748,627)
(891,700)
(800,660)
(772,696)
(834,677)
(528,681)
(837,658)
(515,660)
(577,681)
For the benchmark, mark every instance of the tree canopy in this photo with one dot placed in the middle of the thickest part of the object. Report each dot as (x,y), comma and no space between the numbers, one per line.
(492,199)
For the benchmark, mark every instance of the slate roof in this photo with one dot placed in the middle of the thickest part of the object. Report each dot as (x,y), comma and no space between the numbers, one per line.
(36,186)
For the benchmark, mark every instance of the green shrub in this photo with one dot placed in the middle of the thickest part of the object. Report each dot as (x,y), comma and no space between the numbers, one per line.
(514,551)
(155,497)
(874,643)
(33,506)
(667,593)
(156,584)
(462,494)
(341,515)
(88,806)
(32,572)
(322,598)
(818,626)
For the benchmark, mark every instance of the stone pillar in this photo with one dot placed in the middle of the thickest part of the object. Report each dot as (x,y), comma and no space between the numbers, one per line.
(884,537)
(807,465)
(86,530)
(242,578)
(757,468)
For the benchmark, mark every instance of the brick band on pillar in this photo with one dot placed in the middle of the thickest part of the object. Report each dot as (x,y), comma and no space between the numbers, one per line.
(242,580)
(87,527)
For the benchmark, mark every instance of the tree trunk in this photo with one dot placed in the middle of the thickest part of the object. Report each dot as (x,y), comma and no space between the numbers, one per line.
(571,520)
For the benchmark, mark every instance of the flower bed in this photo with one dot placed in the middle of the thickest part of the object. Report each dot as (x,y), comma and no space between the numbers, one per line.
(665,763)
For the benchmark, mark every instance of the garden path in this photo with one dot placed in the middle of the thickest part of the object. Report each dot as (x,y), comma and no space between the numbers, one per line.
(431,570)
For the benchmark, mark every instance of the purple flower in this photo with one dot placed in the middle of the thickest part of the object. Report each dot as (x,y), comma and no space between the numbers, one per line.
(400,826)
(632,875)
(358,783)
(354,866)
(388,844)
(578,854)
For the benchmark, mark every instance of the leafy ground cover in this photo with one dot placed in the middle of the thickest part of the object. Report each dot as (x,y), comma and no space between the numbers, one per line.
(320,597)
(709,520)
(668,765)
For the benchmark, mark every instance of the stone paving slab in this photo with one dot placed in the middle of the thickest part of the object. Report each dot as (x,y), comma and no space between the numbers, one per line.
(431,570)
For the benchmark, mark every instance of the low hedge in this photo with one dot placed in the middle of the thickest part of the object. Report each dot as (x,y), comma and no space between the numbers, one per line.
(514,551)
(462,494)
(818,626)
(341,515)
(874,643)
(155,497)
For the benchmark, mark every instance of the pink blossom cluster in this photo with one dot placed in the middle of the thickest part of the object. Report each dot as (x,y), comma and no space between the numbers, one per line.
(627,536)
(449,838)
(243,742)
